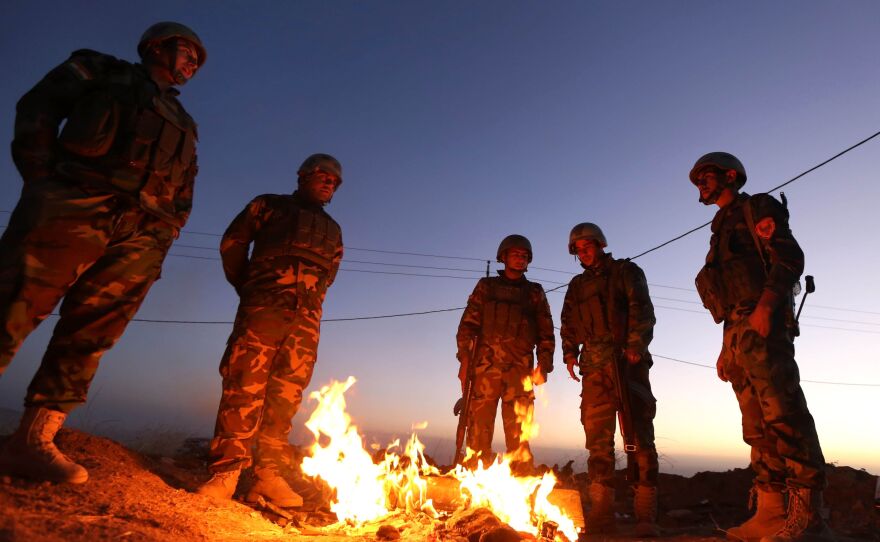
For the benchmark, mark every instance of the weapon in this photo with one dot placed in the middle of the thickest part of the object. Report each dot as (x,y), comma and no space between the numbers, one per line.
(462,407)
(620,373)
(624,415)
(811,287)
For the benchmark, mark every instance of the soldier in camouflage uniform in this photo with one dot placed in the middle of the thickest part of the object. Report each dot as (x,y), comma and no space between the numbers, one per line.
(508,318)
(273,347)
(607,314)
(101,204)
(753,264)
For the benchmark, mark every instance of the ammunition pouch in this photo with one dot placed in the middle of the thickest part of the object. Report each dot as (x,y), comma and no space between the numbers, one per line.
(709,286)
(91,128)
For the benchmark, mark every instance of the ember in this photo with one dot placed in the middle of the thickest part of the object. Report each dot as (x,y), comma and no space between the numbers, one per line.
(372,493)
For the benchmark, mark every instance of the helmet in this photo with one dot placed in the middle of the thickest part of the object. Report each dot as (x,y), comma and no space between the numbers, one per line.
(166,30)
(514,241)
(586,230)
(721,160)
(321,161)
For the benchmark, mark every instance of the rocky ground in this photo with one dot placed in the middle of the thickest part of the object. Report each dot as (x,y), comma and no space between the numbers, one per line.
(141,497)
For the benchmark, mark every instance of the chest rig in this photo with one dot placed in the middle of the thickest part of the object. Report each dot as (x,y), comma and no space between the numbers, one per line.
(735,271)
(297,231)
(508,312)
(600,307)
(125,132)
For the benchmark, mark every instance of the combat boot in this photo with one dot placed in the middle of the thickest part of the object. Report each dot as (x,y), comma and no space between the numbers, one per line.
(31,453)
(769,515)
(803,520)
(272,487)
(221,485)
(645,507)
(600,519)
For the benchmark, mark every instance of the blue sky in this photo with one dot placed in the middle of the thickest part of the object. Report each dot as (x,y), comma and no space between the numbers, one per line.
(458,123)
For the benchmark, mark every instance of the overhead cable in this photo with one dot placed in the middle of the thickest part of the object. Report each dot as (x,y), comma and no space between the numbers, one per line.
(774,189)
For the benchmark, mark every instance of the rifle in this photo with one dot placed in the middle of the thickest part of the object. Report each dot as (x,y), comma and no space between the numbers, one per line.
(624,415)
(620,374)
(811,287)
(462,407)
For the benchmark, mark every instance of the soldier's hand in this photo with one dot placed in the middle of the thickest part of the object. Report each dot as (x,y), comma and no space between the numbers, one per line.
(759,320)
(633,355)
(538,376)
(570,364)
(459,406)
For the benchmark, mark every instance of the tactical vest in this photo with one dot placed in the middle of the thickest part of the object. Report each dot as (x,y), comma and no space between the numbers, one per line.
(508,312)
(734,274)
(125,133)
(297,231)
(597,301)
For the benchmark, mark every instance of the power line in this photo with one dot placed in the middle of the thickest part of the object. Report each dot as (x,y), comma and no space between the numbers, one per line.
(774,189)
(863,384)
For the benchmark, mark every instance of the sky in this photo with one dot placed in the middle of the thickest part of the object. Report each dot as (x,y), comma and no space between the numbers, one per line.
(458,123)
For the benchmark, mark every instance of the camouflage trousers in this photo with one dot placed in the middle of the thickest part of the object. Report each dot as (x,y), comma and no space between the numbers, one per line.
(268,362)
(98,251)
(599,406)
(775,419)
(504,382)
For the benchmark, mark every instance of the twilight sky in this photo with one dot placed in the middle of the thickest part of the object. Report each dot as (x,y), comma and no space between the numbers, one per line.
(458,123)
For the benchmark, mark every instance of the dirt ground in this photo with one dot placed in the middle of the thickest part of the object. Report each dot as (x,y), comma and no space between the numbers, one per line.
(137,497)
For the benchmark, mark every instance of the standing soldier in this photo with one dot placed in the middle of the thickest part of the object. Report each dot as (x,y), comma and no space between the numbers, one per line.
(506,318)
(752,266)
(101,204)
(272,351)
(607,314)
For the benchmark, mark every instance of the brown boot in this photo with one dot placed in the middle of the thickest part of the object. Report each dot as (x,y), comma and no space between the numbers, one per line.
(221,485)
(600,519)
(272,487)
(803,521)
(768,518)
(31,453)
(645,507)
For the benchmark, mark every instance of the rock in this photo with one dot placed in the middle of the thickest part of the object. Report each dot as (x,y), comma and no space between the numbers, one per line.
(388,532)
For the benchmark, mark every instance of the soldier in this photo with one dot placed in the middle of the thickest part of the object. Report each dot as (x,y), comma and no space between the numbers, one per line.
(608,313)
(273,347)
(101,204)
(752,266)
(508,317)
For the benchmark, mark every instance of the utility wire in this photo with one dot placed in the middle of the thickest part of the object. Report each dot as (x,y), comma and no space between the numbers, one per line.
(863,384)
(774,189)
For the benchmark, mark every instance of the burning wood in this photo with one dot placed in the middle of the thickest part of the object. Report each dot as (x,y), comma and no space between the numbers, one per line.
(370,494)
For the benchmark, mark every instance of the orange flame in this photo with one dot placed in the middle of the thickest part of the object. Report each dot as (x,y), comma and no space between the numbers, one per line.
(366,491)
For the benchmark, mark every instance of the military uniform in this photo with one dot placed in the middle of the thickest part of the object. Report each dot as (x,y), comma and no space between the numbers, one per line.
(101,204)
(762,371)
(297,248)
(607,308)
(510,319)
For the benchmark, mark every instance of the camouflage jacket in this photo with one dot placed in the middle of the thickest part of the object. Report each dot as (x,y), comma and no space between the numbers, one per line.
(512,318)
(121,134)
(741,271)
(607,304)
(297,248)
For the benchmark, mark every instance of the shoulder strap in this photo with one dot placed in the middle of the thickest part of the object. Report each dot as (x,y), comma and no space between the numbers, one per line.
(614,274)
(750,223)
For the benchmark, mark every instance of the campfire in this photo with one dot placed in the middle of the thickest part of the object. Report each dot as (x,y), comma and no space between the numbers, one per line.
(404,489)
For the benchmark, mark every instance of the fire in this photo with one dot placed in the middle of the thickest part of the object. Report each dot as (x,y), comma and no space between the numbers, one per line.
(367,491)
